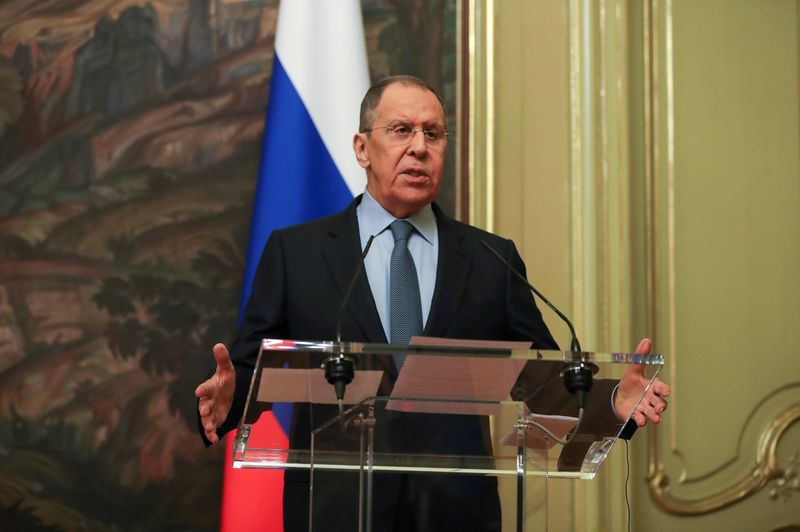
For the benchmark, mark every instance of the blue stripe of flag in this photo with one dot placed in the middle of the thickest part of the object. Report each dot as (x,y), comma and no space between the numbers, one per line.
(298,181)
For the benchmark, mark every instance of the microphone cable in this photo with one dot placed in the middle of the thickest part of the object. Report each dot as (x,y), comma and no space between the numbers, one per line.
(340,368)
(627,477)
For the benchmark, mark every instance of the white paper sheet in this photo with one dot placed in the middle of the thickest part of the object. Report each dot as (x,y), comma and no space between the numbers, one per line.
(459,380)
(286,385)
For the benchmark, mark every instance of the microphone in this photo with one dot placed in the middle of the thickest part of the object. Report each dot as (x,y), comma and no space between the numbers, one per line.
(340,368)
(577,373)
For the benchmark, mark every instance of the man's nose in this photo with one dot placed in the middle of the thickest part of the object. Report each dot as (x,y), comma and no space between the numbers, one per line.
(417,144)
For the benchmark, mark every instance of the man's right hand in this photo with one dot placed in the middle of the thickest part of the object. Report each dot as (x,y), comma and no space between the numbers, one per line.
(216,394)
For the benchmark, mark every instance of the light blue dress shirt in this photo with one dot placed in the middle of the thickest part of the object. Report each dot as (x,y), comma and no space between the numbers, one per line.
(423,244)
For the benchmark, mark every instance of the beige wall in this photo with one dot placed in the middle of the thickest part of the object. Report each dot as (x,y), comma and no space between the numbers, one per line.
(646,160)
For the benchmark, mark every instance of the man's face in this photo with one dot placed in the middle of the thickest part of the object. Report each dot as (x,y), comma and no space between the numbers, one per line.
(403,176)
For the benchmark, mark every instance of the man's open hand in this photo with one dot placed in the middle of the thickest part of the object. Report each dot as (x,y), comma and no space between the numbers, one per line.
(216,394)
(631,387)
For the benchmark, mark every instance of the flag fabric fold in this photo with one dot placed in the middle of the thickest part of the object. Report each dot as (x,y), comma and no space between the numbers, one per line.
(307,170)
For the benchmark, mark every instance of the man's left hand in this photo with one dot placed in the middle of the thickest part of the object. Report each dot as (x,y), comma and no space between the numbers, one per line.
(631,387)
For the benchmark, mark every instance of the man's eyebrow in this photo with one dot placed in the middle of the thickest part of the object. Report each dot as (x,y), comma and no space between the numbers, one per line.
(426,124)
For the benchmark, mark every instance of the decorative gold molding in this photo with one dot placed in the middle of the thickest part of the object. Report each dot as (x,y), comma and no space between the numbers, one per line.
(659,144)
(650,153)
(576,157)
(670,177)
(599,222)
(481,79)
(659,140)
(601,180)
(463,113)
(490,118)
(788,483)
(765,470)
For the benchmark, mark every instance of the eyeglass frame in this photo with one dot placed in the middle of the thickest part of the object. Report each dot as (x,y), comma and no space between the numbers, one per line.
(413,132)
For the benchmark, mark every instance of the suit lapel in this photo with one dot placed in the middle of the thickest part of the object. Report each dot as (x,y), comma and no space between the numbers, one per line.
(343,255)
(452,272)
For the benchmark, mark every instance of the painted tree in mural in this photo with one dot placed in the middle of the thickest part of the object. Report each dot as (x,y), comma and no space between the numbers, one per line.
(129,149)
(163,318)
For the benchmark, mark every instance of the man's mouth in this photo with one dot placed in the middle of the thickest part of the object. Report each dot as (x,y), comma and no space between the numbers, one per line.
(410,172)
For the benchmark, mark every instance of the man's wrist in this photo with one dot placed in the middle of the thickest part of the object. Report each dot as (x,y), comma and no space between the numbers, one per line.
(614,401)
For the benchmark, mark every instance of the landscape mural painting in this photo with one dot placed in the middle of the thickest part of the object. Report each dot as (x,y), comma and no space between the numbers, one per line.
(129,148)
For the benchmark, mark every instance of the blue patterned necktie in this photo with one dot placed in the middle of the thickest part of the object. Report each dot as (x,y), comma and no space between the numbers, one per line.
(405,307)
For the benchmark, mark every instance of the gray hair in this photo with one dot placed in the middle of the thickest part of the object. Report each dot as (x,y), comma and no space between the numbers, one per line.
(373,97)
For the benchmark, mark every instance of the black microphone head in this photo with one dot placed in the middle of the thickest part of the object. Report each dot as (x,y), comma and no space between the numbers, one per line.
(578,379)
(577,374)
(339,371)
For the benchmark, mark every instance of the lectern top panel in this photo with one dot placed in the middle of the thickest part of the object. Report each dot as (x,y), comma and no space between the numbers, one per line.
(460,407)
(451,348)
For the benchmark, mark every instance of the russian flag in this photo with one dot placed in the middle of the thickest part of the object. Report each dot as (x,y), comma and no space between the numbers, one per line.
(308,169)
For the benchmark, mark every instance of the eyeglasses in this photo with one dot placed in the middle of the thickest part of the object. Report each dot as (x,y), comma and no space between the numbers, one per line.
(401,134)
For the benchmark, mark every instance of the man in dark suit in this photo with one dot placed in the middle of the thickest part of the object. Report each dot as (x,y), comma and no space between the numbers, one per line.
(458,290)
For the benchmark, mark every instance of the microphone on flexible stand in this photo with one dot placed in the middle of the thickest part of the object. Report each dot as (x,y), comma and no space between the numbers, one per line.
(340,368)
(577,373)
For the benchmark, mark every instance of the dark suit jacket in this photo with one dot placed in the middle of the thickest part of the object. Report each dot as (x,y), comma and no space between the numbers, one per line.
(305,270)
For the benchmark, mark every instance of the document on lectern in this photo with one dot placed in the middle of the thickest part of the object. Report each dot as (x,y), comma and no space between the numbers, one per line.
(287,385)
(456,384)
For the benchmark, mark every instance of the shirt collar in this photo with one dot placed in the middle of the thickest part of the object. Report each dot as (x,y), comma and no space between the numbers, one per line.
(375,219)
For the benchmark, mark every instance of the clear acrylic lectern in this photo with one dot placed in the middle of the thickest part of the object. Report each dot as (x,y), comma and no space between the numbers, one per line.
(457,419)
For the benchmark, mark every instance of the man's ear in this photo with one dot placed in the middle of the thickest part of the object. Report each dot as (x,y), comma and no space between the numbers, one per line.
(360,149)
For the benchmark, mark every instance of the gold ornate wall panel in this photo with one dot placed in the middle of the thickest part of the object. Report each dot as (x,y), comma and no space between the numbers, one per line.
(478,28)
(650,150)
(531,140)
(600,171)
(561,189)
(601,215)
(720,153)
(531,98)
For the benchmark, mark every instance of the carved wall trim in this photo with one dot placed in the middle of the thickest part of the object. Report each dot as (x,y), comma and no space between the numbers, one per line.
(782,481)
(480,80)
(766,471)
